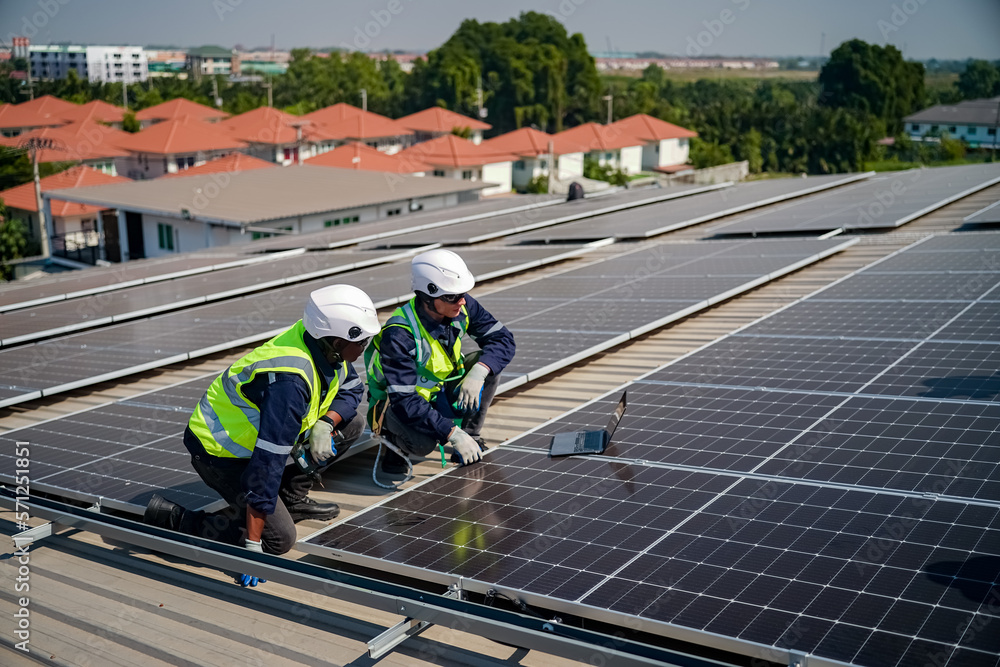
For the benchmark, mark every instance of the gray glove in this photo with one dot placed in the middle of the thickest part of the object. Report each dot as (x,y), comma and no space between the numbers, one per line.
(472,388)
(321,441)
(467,449)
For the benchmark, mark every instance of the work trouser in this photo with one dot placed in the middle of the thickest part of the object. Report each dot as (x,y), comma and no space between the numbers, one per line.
(225,476)
(421,444)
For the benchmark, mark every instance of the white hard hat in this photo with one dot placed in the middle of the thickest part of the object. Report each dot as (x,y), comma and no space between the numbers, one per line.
(440,271)
(343,311)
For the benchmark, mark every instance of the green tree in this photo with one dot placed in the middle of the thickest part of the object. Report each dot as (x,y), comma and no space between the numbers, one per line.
(709,154)
(748,148)
(129,122)
(980,79)
(872,79)
(13,242)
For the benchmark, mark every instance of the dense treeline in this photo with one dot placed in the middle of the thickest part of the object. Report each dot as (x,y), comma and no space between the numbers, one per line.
(533,73)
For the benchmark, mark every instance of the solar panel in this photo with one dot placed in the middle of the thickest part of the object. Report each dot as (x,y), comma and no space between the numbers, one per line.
(69,362)
(144,300)
(884,201)
(662,218)
(505,225)
(832,493)
(986,215)
(741,564)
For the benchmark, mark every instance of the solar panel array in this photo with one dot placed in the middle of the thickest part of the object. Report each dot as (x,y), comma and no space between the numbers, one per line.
(561,319)
(86,312)
(505,225)
(659,219)
(823,483)
(68,362)
(884,201)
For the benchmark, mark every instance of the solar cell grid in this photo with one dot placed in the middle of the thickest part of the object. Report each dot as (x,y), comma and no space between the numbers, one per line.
(980,323)
(893,320)
(953,371)
(913,286)
(978,262)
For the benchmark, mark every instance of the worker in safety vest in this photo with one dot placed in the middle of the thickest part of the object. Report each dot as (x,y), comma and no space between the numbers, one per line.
(299,388)
(423,392)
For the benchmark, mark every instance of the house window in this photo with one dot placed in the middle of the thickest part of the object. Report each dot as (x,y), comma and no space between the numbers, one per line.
(467,175)
(439,172)
(165,233)
(519,165)
(915,127)
(992,132)
(952,129)
(609,156)
(971,130)
(934,128)
(393,211)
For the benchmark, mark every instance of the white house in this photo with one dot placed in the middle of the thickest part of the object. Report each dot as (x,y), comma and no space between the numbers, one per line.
(535,150)
(974,121)
(453,157)
(664,144)
(438,121)
(277,136)
(349,123)
(607,145)
(172,146)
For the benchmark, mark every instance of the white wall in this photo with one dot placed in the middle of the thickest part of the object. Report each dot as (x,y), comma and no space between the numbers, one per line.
(143,166)
(631,159)
(973,134)
(570,166)
(499,173)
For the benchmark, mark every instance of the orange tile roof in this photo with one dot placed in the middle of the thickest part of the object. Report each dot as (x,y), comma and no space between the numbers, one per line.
(86,140)
(594,137)
(359,156)
(44,111)
(230,163)
(439,119)
(180,107)
(366,125)
(23,196)
(333,113)
(181,135)
(266,125)
(529,142)
(452,151)
(648,128)
(97,110)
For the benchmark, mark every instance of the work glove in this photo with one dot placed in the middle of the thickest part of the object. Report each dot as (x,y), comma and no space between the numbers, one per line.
(472,388)
(465,447)
(246,579)
(321,441)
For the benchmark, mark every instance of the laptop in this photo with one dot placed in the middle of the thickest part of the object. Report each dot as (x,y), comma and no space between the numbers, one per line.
(587,442)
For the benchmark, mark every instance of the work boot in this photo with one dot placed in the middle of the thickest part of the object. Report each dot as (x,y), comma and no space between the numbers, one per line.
(162,513)
(307,508)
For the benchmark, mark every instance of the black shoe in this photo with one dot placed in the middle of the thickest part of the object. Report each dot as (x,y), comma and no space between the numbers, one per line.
(307,508)
(393,463)
(162,513)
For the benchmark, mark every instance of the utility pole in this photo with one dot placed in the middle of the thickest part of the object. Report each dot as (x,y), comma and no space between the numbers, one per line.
(270,88)
(479,100)
(31,85)
(610,100)
(364,99)
(215,92)
(124,93)
(552,165)
(34,145)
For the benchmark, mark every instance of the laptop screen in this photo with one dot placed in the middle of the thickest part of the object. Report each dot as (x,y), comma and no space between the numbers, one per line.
(616,417)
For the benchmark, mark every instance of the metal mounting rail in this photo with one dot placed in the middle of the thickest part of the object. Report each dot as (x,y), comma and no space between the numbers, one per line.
(496,624)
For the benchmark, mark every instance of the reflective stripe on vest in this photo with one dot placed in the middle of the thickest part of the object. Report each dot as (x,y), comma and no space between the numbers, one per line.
(433,364)
(227,423)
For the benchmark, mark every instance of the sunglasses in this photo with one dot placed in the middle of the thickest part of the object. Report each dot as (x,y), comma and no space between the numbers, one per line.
(452,298)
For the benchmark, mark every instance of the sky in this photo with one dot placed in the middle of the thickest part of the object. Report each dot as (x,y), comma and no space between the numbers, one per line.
(922,29)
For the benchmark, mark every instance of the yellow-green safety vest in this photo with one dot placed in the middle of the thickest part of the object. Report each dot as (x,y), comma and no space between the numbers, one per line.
(226,422)
(434,364)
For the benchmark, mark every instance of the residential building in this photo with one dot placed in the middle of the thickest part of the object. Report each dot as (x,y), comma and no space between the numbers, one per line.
(974,121)
(453,157)
(90,143)
(172,215)
(349,123)
(279,137)
(438,121)
(73,227)
(230,163)
(176,108)
(106,64)
(261,62)
(44,111)
(607,145)
(535,151)
(167,63)
(209,61)
(356,155)
(97,111)
(174,145)
(665,145)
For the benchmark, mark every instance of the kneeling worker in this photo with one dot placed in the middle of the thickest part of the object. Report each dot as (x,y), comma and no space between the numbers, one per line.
(297,388)
(422,391)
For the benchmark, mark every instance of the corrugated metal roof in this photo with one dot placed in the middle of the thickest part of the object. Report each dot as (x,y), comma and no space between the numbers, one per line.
(970,112)
(265,194)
